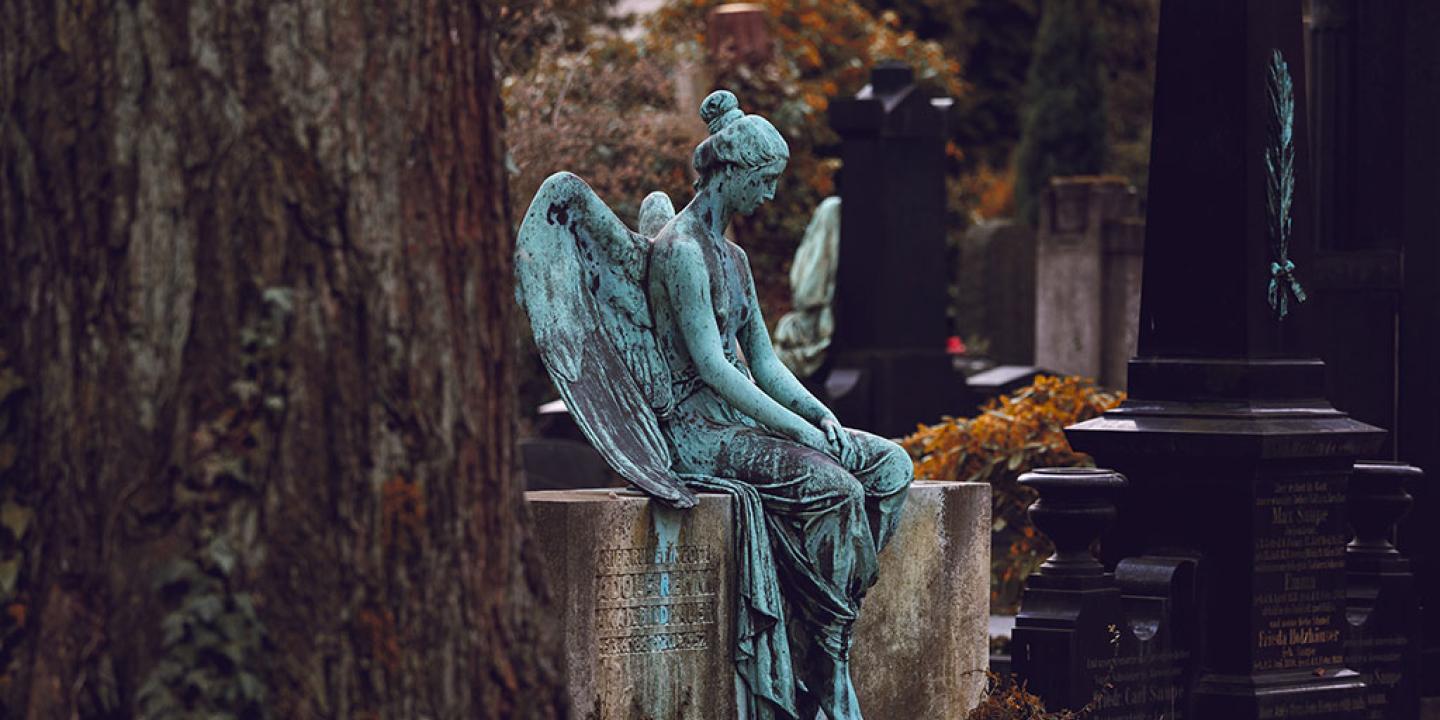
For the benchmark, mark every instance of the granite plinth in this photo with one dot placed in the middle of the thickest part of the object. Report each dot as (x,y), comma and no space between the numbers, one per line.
(645,599)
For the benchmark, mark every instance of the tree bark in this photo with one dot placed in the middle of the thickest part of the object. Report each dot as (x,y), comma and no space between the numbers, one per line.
(255,275)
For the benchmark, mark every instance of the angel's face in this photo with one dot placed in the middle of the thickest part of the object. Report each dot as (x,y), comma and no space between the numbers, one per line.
(749,188)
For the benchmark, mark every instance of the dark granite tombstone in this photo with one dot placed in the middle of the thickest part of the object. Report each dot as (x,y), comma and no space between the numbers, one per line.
(1419,423)
(1232,450)
(1120,643)
(1156,669)
(1375,89)
(1071,610)
(560,458)
(890,324)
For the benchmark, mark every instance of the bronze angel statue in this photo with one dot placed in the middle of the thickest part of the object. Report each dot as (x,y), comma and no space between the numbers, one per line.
(656,343)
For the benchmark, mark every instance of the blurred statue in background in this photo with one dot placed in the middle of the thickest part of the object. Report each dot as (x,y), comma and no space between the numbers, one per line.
(803,335)
(658,347)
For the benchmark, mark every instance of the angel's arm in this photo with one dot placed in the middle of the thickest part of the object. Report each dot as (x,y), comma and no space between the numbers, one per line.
(688,288)
(770,374)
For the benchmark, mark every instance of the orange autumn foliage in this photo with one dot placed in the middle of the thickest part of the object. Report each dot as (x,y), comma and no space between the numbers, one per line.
(1012,435)
(823,49)
(995,190)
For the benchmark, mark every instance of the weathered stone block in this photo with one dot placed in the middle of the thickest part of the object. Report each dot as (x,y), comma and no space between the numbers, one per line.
(645,600)
(1088,268)
(644,597)
(923,641)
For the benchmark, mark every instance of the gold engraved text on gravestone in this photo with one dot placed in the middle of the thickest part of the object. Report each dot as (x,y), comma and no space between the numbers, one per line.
(655,599)
(1299,574)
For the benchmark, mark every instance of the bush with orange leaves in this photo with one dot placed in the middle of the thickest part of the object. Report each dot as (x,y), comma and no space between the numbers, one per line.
(1011,435)
(823,49)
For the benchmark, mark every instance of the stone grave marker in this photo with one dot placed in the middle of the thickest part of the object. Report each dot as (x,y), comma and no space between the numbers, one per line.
(996,289)
(890,369)
(1088,262)
(645,603)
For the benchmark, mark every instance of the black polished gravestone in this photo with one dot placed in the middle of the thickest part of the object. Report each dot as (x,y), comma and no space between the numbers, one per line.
(1120,643)
(1375,90)
(891,370)
(1233,452)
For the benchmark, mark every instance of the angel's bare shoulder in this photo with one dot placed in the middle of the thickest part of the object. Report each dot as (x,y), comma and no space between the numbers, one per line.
(677,243)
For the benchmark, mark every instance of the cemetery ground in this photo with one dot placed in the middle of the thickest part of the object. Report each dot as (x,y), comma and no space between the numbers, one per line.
(1144,288)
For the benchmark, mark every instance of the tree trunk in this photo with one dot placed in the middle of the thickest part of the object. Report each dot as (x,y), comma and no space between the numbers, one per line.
(255,277)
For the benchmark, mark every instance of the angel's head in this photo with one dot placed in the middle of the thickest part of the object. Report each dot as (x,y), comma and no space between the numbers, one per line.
(744,154)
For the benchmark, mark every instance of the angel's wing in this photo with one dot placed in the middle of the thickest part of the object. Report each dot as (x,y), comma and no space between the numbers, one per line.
(655,210)
(579,271)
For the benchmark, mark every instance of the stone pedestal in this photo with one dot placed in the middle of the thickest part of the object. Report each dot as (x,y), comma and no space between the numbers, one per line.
(1256,488)
(1120,643)
(645,600)
(1071,606)
(923,640)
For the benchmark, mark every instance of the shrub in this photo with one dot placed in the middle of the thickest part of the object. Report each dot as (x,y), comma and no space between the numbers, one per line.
(1011,436)
(605,113)
(824,49)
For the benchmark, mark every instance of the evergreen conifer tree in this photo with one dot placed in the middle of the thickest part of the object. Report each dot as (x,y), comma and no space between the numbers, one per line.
(1063,123)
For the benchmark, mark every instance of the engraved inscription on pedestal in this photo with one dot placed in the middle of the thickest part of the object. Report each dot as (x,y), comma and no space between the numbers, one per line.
(1381,661)
(1299,573)
(1141,687)
(655,599)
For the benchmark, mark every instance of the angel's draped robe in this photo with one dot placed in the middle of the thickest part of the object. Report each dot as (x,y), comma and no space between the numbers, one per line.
(824,521)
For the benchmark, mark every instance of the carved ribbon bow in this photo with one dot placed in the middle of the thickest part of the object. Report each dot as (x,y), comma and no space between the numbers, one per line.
(1280,184)
(1282,285)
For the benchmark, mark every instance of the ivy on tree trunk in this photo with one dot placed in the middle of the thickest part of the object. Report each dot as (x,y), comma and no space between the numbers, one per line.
(256,283)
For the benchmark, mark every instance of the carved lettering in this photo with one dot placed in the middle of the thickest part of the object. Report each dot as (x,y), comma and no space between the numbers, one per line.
(1299,557)
(655,599)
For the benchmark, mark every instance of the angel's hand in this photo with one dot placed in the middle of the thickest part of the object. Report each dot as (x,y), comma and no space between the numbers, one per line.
(813,438)
(840,443)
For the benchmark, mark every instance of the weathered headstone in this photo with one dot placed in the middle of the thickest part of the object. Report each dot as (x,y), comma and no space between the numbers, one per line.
(1232,451)
(1087,264)
(890,324)
(738,33)
(996,289)
(643,594)
(645,604)
(557,464)
(922,642)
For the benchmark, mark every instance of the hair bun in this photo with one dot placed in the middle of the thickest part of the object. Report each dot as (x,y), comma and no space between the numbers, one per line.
(720,109)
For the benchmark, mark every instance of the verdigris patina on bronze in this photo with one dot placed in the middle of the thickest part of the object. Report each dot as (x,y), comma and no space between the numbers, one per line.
(659,349)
